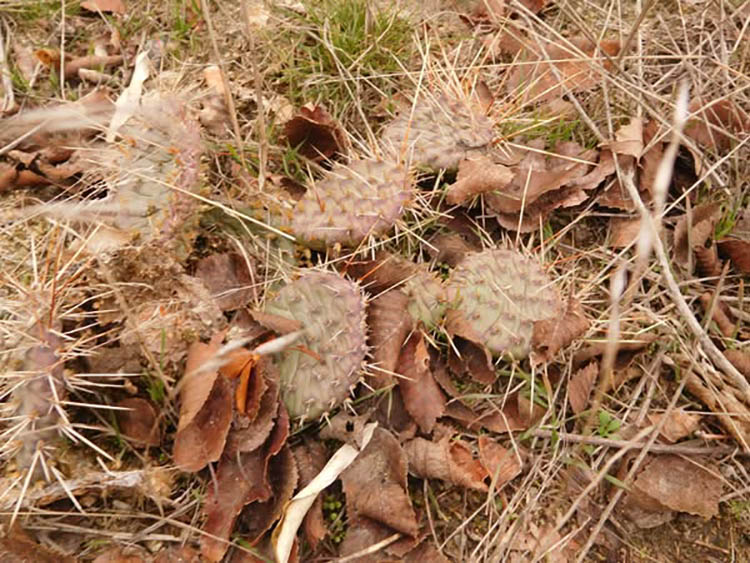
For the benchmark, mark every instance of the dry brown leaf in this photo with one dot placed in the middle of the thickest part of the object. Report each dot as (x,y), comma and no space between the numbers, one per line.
(375,485)
(472,359)
(248,434)
(707,261)
(624,231)
(502,465)
(629,139)
(389,325)
(690,236)
(581,385)
(258,518)
(140,422)
(240,480)
(178,554)
(315,133)
(229,278)
(627,349)
(392,414)
(543,544)
(740,360)
(202,440)
(716,123)
(651,158)
(422,397)
(311,457)
(449,248)
(275,323)
(738,251)
(478,176)
(197,386)
(678,424)
(446,460)
(675,483)
(111,6)
(535,79)
(17,547)
(720,313)
(550,336)
(382,272)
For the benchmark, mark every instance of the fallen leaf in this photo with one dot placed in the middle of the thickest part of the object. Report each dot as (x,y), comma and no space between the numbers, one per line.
(720,313)
(651,158)
(624,231)
(447,460)
(315,133)
(671,482)
(629,139)
(449,248)
(177,554)
(422,397)
(478,176)
(692,235)
(389,325)
(472,358)
(716,123)
(128,101)
(196,384)
(248,434)
(140,422)
(310,456)
(738,252)
(375,485)
(580,387)
(392,414)
(132,554)
(111,6)
(575,62)
(240,480)
(552,335)
(627,349)
(382,272)
(678,424)
(740,360)
(543,544)
(501,464)
(258,518)
(202,440)
(229,278)
(17,547)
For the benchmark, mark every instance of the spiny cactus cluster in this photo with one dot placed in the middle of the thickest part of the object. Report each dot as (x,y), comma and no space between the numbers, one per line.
(439,132)
(499,294)
(427,298)
(362,198)
(319,372)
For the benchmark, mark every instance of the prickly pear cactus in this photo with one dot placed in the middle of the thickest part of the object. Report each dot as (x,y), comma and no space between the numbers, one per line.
(365,197)
(318,374)
(427,298)
(439,132)
(495,298)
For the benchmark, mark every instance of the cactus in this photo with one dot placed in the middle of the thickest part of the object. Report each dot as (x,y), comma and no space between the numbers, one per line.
(354,201)
(439,132)
(495,298)
(318,374)
(427,297)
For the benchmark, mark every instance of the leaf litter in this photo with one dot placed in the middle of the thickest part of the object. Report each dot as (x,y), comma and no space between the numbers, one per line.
(464,367)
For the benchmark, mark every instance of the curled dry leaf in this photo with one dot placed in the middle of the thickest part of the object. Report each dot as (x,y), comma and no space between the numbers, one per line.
(315,132)
(740,360)
(624,231)
(450,248)
(552,335)
(581,385)
(678,424)
(627,349)
(478,176)
(738,252)
(240,480)
(716,123)
(501,464)
(311,457)
(549,71)
(670,482)
(389,326)
(229,278)
(375,485)
(140,423)
(450,461)
(422,397)
(381,273)
(693,234)
(650,159)
(720,313)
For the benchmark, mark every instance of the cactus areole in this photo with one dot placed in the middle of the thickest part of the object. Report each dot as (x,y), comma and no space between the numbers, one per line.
(319,372)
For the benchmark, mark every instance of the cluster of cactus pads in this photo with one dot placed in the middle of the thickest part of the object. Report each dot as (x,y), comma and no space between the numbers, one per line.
(495,298)
(363,198)
(439,131)
(319,373)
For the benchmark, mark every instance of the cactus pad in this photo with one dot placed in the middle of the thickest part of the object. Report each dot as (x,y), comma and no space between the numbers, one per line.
(427,298)
(439,132)
(354,201)
(318,374)
(496,296)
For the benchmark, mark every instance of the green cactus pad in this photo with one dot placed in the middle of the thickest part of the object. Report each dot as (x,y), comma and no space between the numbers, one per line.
(439,132)
(427,297)
(327,361)
(496,296)
(354,201)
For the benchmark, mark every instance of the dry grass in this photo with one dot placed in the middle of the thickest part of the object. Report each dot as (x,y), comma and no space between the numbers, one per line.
(292,59)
